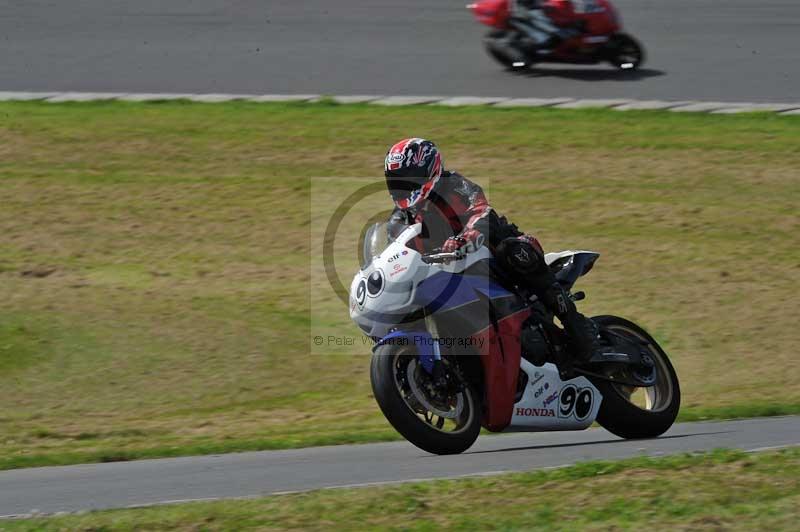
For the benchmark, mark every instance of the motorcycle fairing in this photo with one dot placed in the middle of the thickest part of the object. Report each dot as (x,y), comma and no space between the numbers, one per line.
(475,307)
(493,13)
(403,274)
(444,294)
(501,354)
(568,266)
(548,403)
(594,17)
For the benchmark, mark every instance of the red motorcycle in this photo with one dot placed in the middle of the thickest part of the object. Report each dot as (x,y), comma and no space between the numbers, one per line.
(595,27)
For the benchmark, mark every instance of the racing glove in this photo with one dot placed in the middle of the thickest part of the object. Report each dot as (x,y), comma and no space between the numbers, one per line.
(467,242)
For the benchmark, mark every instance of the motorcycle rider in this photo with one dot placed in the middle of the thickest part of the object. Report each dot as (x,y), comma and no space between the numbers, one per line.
(457,217)
(530,18)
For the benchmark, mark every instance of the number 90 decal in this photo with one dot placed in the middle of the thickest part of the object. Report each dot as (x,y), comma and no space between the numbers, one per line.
(574,401)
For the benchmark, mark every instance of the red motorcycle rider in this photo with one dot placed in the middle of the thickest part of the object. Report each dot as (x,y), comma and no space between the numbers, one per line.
(530,17)
(455,215)
(581,32)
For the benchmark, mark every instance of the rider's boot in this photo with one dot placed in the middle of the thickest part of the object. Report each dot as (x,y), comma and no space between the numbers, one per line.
(581,332)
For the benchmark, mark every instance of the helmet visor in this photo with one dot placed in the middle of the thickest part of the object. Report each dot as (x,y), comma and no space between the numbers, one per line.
(400,187)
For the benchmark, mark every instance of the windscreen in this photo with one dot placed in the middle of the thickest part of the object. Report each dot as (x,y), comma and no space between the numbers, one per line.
(376,239)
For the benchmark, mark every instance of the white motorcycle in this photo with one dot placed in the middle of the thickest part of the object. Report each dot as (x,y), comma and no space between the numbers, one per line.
(457,349)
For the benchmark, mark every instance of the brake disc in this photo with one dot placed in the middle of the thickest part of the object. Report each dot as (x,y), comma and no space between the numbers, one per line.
(422,397)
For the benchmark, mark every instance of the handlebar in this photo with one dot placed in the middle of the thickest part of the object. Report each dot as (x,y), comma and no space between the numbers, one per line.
(442,258)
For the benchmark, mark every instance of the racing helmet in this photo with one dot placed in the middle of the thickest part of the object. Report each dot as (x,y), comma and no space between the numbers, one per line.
(412,168)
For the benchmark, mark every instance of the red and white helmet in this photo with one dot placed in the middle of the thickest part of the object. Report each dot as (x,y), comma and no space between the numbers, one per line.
(412,168)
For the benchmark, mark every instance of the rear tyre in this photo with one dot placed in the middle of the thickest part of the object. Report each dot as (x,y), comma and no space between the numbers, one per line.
(439,423)
(631,412)
(625,52)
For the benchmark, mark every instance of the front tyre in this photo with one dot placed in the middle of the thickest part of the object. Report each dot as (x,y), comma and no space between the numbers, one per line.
(435,420)
(501,46)
(631,412)
(625,52)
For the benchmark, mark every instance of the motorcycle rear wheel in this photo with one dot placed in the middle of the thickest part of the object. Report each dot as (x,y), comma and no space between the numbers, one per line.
(635,413)
(625,52)
(436,424)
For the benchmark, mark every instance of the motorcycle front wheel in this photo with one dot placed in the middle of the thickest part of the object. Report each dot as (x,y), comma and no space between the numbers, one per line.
(437,421)
(499,46)
(639,412)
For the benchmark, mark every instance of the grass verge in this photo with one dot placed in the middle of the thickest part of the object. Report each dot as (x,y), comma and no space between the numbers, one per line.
(761,491)
(155,278)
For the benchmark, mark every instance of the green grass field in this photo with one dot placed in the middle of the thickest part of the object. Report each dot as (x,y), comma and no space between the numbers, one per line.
(155,279)
(760,492)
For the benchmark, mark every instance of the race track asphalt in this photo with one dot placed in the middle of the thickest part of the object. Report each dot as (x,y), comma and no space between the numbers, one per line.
(731,50)
(145,482)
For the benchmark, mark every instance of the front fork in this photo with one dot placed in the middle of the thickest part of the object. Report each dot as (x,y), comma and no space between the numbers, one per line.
(427,344)
(427,347)
(434,366)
